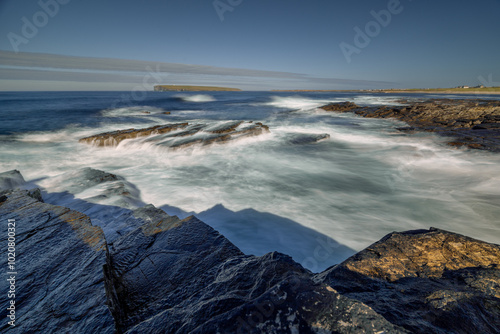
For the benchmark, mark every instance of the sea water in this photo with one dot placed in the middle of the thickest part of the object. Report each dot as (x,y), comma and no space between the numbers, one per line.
(364,181)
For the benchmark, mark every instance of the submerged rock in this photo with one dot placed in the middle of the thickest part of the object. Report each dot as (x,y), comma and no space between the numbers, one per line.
(95,186)
(11,180)
(304,139)
(473,123)
(426,281)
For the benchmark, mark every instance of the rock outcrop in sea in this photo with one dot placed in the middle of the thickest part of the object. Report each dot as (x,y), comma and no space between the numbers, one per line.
(163,274)
(471,123)
(181,135)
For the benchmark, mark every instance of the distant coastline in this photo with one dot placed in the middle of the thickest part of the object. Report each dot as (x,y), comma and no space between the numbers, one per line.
(468,91)
(178,88)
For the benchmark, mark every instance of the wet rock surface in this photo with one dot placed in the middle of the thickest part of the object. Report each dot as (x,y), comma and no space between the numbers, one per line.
(207,285)
(472,123)
(304,139)
(95,186)
(427,281)
(182,135)
(11,180)
(115,137)
(341,106)
(59,285)
(161,274)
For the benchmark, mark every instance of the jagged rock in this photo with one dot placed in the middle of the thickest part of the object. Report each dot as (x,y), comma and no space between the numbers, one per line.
(36,194)
(189,131)
(225,128)
(11,180)
(474,123)
(115,137)
(59,285)
(169,136)
(181,276)
(221,134)
(426,281)
(422,253)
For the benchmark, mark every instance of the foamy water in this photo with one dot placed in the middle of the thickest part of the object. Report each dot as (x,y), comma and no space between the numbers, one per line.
(364,181)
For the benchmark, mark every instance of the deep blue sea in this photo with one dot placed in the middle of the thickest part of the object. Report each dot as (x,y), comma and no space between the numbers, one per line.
(267,192)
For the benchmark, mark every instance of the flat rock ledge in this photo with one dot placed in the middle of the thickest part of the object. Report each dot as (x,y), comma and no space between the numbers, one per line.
(472,123)
(181,135)
(168,275)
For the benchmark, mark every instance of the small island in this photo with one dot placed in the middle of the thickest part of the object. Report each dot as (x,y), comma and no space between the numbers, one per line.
(178,88)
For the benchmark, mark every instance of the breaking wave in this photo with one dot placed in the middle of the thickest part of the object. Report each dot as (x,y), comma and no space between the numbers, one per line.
(349,178)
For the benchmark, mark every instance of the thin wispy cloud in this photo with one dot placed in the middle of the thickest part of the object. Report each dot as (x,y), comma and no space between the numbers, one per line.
(51,67)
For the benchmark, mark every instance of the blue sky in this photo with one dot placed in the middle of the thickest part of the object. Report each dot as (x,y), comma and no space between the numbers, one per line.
(259,44)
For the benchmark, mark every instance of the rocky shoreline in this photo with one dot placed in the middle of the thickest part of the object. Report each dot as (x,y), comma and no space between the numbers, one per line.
(469,123)
(158,273)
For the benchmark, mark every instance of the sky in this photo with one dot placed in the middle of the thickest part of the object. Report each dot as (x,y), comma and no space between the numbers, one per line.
(252,45)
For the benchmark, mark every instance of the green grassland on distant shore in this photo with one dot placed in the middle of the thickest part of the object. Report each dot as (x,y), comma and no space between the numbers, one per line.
(177,88)
(470,91)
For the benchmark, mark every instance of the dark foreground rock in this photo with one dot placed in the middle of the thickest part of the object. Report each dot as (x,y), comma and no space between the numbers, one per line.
(472,123)
(59,286)
(427,281)
(182,135)
(181,276)
(167,276)
(162,274)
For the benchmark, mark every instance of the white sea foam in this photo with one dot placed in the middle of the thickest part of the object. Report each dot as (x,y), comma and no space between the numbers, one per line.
(142,111)
(302,103)
(196,98)
(46,137)
(365,181)
(296,102)
(365,100)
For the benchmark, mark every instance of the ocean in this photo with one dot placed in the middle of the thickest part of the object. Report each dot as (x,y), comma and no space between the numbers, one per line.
(319,202)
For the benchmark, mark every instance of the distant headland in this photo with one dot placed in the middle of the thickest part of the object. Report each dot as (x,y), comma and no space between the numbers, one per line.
(177,88)
(455,90)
